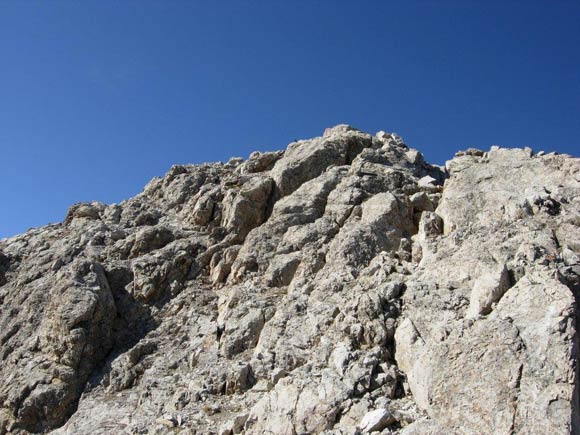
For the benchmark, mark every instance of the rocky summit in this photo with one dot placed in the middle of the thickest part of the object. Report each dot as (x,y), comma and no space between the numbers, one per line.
(342,286)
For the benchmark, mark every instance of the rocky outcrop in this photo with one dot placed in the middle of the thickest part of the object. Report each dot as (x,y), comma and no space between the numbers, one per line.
(489,341)
(341,286)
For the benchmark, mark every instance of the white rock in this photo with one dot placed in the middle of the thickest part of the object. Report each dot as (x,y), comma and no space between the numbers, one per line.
(427,181)
(487,290)
(376,420)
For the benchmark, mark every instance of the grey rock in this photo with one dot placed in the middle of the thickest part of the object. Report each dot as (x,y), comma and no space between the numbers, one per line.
(341,286)
(260,162)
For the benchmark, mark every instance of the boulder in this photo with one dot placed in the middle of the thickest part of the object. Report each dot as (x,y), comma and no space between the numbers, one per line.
(376,420)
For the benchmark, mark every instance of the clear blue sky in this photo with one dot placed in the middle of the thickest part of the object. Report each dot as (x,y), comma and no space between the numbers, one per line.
(97,97)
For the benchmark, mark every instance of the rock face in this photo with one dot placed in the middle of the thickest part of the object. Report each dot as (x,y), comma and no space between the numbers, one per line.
(342,286)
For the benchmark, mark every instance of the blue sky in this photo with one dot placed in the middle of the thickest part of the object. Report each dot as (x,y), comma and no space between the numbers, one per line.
(97,97)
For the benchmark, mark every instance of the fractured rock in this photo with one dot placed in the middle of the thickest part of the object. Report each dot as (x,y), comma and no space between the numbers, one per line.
(343,285)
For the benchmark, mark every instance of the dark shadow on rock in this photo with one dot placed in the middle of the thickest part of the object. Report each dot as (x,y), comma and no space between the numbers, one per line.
(133,322)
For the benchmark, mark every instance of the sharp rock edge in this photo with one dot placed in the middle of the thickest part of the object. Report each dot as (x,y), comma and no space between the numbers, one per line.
(341,286)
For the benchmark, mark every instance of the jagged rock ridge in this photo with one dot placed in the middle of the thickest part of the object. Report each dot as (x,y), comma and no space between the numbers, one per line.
(341,286)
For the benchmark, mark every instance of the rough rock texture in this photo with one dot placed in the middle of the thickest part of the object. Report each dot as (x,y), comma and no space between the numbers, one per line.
(341,286)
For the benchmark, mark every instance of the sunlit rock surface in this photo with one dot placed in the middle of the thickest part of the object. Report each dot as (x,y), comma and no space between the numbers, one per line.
(341,286)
